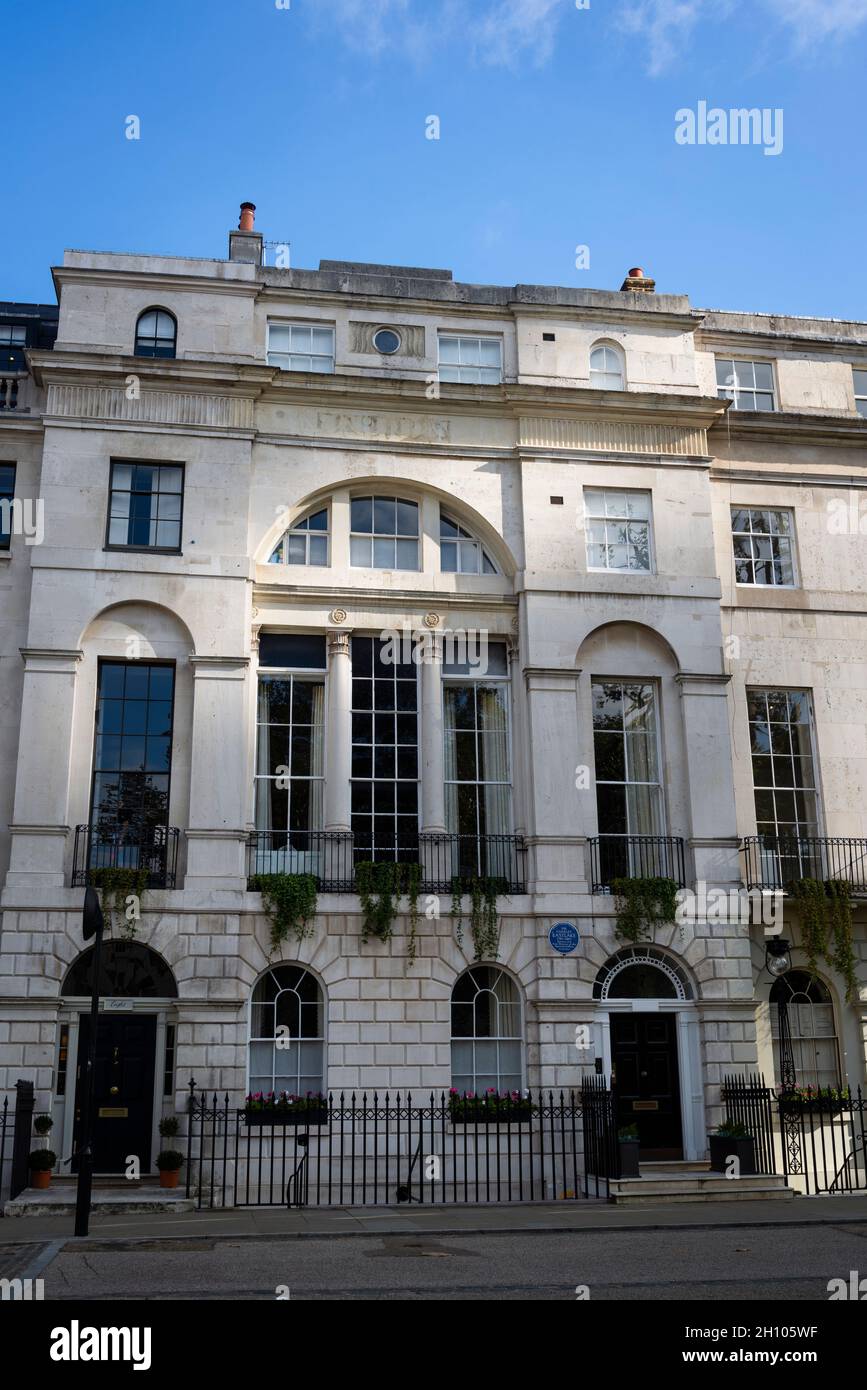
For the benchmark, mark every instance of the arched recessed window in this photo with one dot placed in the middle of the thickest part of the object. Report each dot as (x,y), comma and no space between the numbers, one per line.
(810,1012)
(305,543)
(606,368)
(461,553)
(156,334)
(384,533)
(487,1032)
(287,1032)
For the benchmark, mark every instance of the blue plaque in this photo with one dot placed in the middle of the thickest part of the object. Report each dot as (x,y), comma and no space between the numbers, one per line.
(563,936)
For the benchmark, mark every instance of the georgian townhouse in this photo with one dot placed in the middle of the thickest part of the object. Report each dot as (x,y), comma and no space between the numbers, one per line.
(523,591)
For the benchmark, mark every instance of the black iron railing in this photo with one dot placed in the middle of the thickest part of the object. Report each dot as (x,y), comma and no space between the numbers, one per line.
(447,860)
(773,861)
(444,860)
(153,848)
(376,1150)
(326,854)
(816,1136)
(635,856)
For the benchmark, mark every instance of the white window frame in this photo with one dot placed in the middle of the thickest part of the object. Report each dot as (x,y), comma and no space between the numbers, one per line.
(619,520)
(659,783)
(860,396)
(468,373)
(604,378)
(818,832)
(463,539)
(769,536)
(479,681)
(497,1038)
(318,361)
(17,335)
(313,676)
(321,1039)
(374,536)
(736,393)
(299,528)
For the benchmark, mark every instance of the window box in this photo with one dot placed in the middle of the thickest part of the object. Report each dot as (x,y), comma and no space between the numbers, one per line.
(285,1110)
(290,1116)
(490,1109)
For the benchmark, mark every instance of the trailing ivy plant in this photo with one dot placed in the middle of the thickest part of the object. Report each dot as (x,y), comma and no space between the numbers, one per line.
(642,904)
(289,901)
(826,927)
(379,888)
(484,919)
(115,885)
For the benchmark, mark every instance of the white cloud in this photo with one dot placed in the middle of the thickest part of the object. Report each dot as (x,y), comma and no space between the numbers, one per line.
(665,26)
(814,20)
(501,33)
(515,30)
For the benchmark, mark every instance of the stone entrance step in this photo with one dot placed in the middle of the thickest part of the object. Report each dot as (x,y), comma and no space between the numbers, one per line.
(111,1196)
(689,1182)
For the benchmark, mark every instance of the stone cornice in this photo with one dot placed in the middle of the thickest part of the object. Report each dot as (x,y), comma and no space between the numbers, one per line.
(797,477)
(406,601)
(780,427)
(736,340)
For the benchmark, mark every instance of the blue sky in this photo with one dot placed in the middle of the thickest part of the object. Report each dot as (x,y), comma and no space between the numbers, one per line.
(557,129)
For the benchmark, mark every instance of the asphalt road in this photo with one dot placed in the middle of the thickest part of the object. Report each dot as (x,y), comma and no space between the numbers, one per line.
(791,1263)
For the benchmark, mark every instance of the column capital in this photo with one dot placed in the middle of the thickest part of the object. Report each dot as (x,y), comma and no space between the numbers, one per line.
(339,642)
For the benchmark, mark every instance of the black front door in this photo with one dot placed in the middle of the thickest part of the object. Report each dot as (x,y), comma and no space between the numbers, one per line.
(644,1062)
(125,1051)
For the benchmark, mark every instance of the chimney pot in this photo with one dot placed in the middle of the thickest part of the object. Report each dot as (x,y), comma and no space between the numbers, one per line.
(636,280)
(248,217)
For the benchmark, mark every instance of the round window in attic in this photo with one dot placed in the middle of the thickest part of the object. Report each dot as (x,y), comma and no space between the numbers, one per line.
(386,341)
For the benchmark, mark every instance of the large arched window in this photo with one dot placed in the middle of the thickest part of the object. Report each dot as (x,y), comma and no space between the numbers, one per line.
(156,334)
(810,1013)
(461,553)
(305,543)
(287,1032)
(127,970)
(606,368)
(487,1032)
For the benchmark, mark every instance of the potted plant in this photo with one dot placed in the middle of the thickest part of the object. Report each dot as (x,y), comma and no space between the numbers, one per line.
(169,1163)
(43,1124)
(285,1108)
(169,1126)
(41,1163)
(729,1140)
(627,1151)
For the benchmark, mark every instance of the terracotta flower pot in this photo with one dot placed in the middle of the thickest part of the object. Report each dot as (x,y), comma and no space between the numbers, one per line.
(169,1177)
(40,1177)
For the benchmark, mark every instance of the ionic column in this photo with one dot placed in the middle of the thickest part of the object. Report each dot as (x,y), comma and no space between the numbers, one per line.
(338,733)
(433,797)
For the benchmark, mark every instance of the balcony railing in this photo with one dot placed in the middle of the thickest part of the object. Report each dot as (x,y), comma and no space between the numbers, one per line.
(779,861)
(14,394)
(326,854)
(331,856)
(635,856)
(153,848)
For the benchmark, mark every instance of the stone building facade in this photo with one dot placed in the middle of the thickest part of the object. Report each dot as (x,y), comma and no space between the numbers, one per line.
(616,545)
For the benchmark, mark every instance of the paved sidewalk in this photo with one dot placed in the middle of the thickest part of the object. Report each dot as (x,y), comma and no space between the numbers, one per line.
(585,1216)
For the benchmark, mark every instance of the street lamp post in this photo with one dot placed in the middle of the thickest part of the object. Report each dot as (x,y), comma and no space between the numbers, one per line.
(778,960)
(91,926)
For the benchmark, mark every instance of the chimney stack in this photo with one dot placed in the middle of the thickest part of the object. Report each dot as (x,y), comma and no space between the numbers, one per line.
(637,280)
(246,244)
